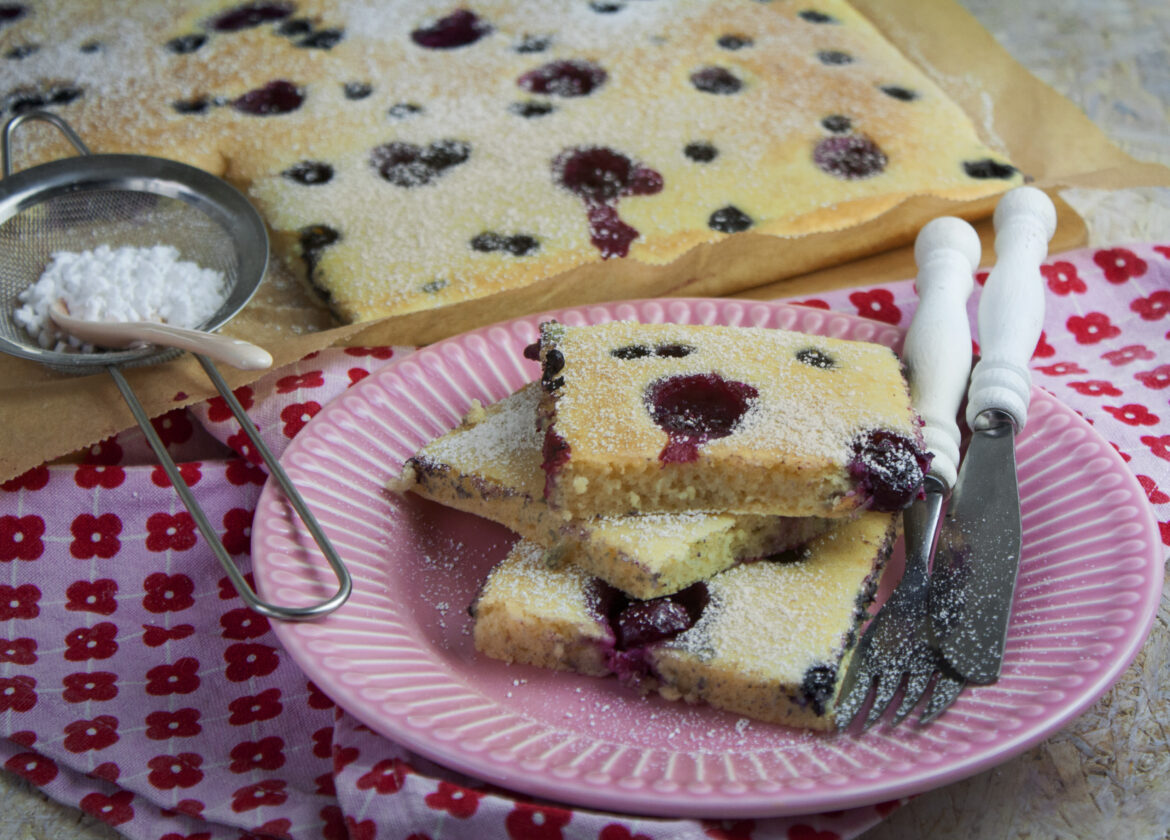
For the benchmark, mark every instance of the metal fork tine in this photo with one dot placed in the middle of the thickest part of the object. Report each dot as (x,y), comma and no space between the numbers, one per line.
(886,688)
(946,691)
(916,686)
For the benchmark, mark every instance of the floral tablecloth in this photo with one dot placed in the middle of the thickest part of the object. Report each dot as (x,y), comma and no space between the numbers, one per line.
(136,685)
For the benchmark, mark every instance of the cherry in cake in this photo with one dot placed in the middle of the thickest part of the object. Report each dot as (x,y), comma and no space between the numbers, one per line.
(600,176)
(696,408)
(278,97)
(568,78)
(849,156)
(458,29)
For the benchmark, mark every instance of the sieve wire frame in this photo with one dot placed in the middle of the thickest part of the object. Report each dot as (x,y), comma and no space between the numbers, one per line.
(188,205)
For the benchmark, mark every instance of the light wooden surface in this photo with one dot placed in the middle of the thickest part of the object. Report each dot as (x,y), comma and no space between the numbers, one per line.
(1107,775)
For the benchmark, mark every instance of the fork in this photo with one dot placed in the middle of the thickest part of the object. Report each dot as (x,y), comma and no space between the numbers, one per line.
(896,647)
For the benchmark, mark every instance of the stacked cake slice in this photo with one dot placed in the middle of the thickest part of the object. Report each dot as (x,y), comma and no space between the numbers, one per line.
(703,511)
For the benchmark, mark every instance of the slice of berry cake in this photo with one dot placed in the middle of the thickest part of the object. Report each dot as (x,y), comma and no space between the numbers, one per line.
(669,417)
(490,466)
(769,639)
(412,154)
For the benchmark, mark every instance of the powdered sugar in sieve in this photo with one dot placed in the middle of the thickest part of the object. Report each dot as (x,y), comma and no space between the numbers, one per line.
(119,284)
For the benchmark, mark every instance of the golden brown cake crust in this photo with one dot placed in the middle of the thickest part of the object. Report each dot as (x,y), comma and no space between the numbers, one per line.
(400,176)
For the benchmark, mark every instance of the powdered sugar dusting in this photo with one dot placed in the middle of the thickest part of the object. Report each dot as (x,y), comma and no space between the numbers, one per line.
(119,284)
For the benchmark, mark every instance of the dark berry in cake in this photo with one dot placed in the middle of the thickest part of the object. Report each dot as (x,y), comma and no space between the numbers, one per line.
(443,154)
(553,364)
(729,219)
(309,172)
(313,240)
(734,42)
(458,29)
(528,110)
(600,176)
(184,44)
(695,408)
(533,43)
(402,110)
(279,97)
(408,165)
(700,152)
(22,51)
(899,92)
(631,351)
(817,687)
(816,358)
(888,467)
(837,123)
(295,27)
(357,90)
(196,105)
(488,241)
(532,351)
(521,245)
(813,16)
(62,94)
(11,12)
(988,168)
(849,156)
(673,351)
(25,99)
(606,7)
(90,47)
(249,15)
(834,57)
(636,624)
(322,39)
(717,80)
(432,286)
(568,78)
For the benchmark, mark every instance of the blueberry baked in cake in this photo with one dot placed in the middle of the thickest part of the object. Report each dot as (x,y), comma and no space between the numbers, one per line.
(412,154)
(491,466)
(770,639)
(669,417)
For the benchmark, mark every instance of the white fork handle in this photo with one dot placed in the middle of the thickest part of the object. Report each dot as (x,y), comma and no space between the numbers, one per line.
(937,351)
(1011,308)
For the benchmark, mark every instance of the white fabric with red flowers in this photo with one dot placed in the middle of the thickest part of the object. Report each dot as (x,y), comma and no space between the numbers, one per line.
(136,685)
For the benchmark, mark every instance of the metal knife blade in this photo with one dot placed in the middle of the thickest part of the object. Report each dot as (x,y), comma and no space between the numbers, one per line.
(977,558)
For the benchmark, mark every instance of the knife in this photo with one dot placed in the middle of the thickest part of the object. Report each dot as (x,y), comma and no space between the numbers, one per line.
(975,564)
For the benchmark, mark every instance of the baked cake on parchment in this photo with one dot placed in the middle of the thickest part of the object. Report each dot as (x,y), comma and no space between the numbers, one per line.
(669,417)
(769,639)
(490,466)
(410,154)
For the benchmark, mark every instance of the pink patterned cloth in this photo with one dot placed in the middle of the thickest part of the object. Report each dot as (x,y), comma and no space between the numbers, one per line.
(136,685)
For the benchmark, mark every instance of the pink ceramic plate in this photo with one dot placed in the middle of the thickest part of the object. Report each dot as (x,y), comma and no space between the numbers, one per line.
(399,656)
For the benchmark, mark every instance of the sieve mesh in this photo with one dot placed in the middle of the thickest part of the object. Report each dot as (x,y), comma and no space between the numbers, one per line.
(79,220)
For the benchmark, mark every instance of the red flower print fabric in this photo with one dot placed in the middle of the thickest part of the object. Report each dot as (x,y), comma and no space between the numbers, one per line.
(137,686)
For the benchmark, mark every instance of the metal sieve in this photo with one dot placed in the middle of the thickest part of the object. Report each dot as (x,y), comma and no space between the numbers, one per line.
(81,202)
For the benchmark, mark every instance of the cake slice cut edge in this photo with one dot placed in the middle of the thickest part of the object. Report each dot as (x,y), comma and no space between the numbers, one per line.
(770,640)
(490,466)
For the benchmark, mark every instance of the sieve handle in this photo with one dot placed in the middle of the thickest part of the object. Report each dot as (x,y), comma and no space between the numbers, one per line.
(42,116)
(344,582)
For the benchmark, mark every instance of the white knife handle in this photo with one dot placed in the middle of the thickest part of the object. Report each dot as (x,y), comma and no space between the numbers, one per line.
(937,351)
(1011,309)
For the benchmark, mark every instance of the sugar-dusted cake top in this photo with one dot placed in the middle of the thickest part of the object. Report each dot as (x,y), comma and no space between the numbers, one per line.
(414,153)
(628,398)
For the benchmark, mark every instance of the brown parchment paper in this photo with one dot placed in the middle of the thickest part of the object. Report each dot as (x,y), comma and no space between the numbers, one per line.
(45,415)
